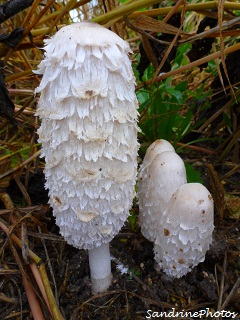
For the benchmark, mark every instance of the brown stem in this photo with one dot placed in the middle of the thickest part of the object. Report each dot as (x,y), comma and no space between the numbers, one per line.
(33,301)
(52,302)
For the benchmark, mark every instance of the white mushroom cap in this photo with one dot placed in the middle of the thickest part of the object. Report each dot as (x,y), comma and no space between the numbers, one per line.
(186,230)
(86,34)
(88,132)
(165,174)
(153,150)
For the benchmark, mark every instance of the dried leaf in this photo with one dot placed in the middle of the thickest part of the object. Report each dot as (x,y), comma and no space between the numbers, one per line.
(149,24)
(149,51)
(217,191)
(233,206)
(220,20)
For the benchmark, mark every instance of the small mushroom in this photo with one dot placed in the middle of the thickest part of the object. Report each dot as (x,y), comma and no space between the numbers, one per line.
(88,132)
(186,230)
(159,178)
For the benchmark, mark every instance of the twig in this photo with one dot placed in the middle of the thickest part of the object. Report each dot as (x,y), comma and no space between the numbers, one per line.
(52,302)
(211,31)
(196,148)
(21,165)
(6,299)
(219,307)
(231,294)
(6,199)
(30,292)
(38,279)
(196,63)
(69,6)
(49,264)
(197,7)
(32,299)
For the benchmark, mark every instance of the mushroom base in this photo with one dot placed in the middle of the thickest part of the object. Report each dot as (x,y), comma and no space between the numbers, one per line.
(100,268)
(101,285)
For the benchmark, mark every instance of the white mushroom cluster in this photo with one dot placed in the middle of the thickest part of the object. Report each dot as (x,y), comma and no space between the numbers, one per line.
(177,216)
(88,132)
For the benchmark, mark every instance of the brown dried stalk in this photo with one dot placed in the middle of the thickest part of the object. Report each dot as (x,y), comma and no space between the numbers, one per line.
(44,278)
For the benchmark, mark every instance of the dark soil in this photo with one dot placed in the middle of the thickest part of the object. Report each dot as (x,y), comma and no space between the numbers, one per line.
(132,294)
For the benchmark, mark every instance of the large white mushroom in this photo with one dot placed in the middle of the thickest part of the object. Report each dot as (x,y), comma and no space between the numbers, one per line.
(88,133)
(186,232)
(162,172)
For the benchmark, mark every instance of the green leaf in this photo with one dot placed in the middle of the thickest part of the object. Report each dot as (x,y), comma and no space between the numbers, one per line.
(192,174)
(132,220)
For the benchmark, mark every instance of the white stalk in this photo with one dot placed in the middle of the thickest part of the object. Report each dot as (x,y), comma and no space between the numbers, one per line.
(100,268)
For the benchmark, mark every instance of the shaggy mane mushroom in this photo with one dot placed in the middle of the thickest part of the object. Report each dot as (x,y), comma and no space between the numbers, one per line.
(161,173)
(175,215)
(88,112)
(186,233)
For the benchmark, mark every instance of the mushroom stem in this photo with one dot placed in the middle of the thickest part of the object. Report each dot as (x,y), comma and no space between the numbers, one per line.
(100,268)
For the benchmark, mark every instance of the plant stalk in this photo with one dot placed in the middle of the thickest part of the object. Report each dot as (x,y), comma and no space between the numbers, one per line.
(190,65)
(51,300)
